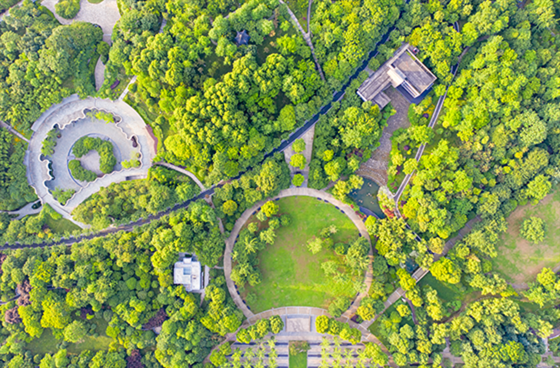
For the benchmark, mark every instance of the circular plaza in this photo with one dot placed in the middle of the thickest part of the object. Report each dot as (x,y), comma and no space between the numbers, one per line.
(79,146)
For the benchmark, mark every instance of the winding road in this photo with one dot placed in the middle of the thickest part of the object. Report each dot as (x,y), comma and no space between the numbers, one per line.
(337,96)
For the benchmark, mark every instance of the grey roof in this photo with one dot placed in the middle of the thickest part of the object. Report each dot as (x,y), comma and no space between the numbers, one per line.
(242,38)
(403,69)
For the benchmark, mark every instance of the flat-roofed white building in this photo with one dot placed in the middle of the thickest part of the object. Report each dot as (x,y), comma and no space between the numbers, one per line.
(188,272)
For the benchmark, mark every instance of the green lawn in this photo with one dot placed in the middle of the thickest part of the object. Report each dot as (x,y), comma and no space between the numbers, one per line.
(101,342)
(60,226)
(446,292)
(48,344)
(43,345)
(520,261)
(292,276)
(298,360)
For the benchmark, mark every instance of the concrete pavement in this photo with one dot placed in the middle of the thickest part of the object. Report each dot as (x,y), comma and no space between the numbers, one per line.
(104,14)
(289,152)
(25,210)
(376,167)
(183,171)
(72,109)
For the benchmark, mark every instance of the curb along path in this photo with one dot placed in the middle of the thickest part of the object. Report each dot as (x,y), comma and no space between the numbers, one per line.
(183,171)
(230,242)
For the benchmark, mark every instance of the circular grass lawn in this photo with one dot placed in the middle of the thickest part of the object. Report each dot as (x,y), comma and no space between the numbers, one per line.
(291,274)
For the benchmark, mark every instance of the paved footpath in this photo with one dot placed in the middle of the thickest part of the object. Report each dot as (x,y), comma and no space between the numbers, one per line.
(105,14)
(25,211)
(183,171)
(70,109)
(289,152)
(308,192)
(306,37)
(13,131)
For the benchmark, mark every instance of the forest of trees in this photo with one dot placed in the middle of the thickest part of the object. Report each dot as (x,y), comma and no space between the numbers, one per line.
(42,62)
(124,279)
(131,200)
(14,190)
(218,107)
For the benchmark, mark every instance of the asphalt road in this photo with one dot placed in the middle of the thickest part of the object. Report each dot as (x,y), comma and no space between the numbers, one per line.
(337,96)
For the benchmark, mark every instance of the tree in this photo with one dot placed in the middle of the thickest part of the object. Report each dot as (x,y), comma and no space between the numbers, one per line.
(276,324)
(406,281)
(299,145)
(446,270)
(270,209)
(75,331)
(410,165)
(538,188)
(229,207)
(315,245)
(322,324)
(298,160)
(298,180)
(436,245)
(533,229)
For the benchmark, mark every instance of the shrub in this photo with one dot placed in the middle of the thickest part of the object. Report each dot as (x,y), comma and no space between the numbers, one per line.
(79,173)
(299,145)
(67,9)
(62,196)
(533,229)
(298,180)
(131,163)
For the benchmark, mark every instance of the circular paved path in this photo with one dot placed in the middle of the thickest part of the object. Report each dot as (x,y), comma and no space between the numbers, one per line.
(68,111)
(230,241)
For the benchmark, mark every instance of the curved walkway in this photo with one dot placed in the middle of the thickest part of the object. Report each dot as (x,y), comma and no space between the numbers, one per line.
(63,114)
(25,210)
(183,171)
(104,14)
(308,192)
(13,131)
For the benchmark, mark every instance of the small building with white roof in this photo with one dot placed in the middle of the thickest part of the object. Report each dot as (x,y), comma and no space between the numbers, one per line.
(188,272)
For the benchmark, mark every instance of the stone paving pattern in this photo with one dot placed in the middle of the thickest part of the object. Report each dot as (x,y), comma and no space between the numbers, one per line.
(69,109)
(99,74)
(289,152)
(104,14)
(122,149)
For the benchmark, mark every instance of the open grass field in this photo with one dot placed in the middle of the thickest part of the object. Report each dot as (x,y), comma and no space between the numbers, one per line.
(61,226)
(519,261)
(298,360)
(47,342)
(292,276)
(448,292)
